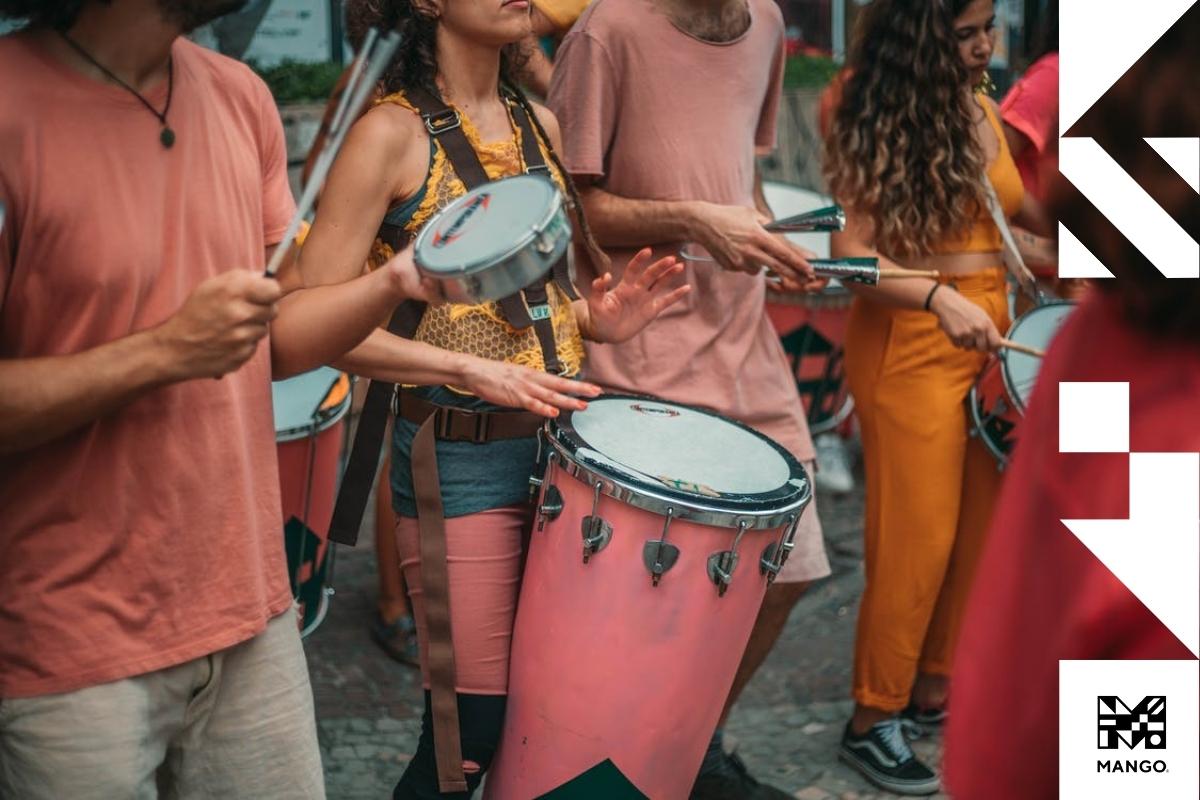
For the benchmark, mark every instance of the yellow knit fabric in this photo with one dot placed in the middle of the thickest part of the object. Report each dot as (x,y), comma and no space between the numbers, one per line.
(481,330)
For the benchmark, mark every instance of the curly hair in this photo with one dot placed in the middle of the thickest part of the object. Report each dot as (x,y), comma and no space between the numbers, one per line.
(901,149)
(42,13)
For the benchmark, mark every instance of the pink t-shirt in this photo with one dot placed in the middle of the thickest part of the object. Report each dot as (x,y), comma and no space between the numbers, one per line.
(152,536)
(1031,106)
(657,114)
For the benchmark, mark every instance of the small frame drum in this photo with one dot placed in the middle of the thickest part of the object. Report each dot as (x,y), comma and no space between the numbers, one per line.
(658,530)
(308,433)
(812,327)
(495,240)
(1001,393)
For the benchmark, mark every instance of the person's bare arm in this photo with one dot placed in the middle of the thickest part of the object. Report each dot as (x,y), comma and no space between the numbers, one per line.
(966,324)
(339,306)
(215,331)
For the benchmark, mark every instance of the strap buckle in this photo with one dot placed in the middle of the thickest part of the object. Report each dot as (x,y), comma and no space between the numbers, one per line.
(538,169)
(444,425)
(441,121)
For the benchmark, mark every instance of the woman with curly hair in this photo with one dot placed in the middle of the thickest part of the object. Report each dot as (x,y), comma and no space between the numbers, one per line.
(447,110)
(909,155)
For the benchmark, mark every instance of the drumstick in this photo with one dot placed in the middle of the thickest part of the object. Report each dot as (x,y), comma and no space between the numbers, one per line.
(1022,348)
(376,63)
(891,272)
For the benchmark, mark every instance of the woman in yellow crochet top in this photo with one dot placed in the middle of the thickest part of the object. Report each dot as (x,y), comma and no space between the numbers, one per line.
(910,144)
(390,178)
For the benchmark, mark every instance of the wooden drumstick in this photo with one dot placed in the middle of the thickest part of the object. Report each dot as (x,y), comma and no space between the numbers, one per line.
(890,272)
(1009,344)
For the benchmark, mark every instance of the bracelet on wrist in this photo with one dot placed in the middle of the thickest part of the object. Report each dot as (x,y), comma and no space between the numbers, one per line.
(929,297)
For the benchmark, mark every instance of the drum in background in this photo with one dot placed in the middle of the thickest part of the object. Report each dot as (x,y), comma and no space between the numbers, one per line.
(495,240)
(308,433)
(658,530)
(1001,393)
(812,327)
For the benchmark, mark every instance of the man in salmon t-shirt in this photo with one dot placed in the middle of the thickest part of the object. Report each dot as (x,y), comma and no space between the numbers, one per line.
(145,639)
(663,107)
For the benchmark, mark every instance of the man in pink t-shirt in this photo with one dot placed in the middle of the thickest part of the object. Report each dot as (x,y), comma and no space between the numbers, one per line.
(145,639)
(663,106)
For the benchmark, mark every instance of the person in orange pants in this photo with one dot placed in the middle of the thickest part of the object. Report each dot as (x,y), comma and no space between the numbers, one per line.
(909,145)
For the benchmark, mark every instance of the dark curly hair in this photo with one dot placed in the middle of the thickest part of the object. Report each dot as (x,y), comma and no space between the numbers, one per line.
(901,149)
(42,13)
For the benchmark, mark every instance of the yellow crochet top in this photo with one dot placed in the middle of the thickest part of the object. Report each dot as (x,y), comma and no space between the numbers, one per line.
(481,330)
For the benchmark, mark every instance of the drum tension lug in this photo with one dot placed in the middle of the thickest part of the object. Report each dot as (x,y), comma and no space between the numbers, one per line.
(776,553)
(659,555)
(722,564)
(597,532)
(551,507)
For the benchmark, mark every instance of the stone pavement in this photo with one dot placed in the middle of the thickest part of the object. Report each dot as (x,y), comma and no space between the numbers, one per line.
(786,726)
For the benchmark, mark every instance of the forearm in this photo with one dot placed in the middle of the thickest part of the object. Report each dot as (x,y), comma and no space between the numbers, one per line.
(909,294)
(623,222)
(318,325)
(385,356)
(42,399)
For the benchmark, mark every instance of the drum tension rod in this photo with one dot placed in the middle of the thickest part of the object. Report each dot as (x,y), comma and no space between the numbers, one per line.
(722,564)
(552,500)
(776,553)
(659,555)
(597,532)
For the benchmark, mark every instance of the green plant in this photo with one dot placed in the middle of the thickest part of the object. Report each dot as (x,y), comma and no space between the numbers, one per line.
(809,72)
(297,82)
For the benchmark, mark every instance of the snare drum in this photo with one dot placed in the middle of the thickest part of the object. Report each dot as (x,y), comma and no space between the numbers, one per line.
(998,399)
(308,433)
(658,530)
(495,240)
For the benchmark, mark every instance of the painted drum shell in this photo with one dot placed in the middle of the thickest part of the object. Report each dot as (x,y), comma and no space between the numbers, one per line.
(496,264)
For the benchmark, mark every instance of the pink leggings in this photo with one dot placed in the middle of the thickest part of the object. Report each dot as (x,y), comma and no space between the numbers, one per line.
(484,557)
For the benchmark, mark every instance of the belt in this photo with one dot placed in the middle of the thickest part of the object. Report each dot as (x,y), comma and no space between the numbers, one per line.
(459,425)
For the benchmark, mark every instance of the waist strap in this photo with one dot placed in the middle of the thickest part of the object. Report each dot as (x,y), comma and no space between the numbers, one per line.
(458,425)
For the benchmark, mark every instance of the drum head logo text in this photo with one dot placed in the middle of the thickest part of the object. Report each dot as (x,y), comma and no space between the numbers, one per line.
(458,225)
(655,411)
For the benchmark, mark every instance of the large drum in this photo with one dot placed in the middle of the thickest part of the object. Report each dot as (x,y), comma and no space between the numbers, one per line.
(308,431)
(658,531)
(1001,393)
(812,327)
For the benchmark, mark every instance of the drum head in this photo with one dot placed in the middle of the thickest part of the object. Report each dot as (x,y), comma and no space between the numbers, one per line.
(309,403)
(786,200)
(487,224)
(696,460)
(1036,328)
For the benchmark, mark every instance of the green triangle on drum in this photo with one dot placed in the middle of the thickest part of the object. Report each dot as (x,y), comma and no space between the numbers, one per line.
(602,782)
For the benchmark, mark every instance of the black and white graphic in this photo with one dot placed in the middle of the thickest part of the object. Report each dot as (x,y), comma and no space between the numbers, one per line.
(1141,726)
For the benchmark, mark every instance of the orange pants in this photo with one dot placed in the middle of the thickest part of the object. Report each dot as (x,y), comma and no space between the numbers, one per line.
(930,487)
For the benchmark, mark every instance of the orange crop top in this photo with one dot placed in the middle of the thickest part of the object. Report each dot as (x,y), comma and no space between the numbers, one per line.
(984,236)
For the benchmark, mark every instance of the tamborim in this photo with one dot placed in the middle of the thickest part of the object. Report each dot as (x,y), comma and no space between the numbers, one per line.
(495,240)
(658,530)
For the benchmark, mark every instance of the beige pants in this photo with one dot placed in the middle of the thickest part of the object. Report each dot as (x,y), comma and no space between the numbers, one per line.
(235,724)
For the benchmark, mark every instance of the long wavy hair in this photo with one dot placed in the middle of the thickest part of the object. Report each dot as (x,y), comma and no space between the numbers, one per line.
(902,150)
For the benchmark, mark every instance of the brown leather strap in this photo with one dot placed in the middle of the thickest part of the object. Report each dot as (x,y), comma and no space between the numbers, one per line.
(363,462)
(435,583)
(445,125)
(543,325)
(459,425)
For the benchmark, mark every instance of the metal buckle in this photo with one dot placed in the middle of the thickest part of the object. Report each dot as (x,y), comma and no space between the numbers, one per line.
(442,121)
(538,169)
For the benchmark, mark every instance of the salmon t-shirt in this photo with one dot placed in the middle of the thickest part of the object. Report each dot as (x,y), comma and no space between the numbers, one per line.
(153,535)
(654,113)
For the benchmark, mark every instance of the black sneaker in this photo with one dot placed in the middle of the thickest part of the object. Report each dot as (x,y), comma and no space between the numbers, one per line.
(884,758)
(925,717)
(733,782)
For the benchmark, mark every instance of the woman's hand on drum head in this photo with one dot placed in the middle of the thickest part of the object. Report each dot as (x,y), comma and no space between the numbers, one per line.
(616,313)
(409,283)
(516,386)
(968,326)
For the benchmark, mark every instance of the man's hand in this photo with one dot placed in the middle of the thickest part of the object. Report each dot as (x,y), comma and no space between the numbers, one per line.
(219,325)
(736,239)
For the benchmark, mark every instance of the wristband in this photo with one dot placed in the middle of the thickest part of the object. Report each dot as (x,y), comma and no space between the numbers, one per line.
(929,297)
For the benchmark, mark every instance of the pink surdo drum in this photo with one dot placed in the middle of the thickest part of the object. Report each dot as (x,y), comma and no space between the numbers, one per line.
(308,432)
(658,530)
(812,327)
(1001,393)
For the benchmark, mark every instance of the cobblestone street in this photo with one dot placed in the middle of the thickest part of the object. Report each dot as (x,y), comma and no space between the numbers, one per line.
(786,726)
